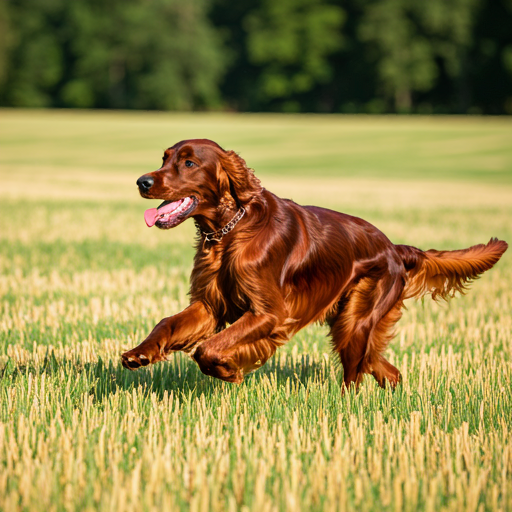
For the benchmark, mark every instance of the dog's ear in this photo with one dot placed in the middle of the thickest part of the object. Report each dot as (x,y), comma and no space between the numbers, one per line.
(243,184)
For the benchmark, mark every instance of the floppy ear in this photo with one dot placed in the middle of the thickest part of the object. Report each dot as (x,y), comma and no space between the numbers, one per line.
(243,184)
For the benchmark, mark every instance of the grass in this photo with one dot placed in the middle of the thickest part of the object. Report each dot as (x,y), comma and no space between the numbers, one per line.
(82,279)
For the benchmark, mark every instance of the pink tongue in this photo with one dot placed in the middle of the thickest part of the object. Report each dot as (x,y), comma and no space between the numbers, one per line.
(151,215)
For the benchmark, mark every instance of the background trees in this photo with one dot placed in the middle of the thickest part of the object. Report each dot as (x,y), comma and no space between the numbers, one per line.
(293,55)
(157,54)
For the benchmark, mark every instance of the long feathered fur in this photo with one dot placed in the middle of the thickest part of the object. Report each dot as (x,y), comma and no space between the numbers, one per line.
(443,273)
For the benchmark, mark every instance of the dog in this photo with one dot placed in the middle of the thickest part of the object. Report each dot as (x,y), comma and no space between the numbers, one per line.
(266,267)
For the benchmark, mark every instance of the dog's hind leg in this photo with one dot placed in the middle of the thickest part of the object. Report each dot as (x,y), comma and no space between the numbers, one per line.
(360,330)
(383,371)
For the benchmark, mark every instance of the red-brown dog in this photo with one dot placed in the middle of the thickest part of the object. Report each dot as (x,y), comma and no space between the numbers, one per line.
(267,267)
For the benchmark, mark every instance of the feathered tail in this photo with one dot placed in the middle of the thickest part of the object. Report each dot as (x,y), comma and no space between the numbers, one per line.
(442,273)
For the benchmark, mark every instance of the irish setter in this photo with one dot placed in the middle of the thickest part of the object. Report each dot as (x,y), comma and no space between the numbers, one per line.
(266,267)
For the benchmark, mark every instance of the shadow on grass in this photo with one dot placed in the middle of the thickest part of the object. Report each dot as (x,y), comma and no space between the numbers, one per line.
(183,377)
(180,376)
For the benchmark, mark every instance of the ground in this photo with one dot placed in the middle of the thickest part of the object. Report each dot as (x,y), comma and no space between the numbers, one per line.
(82,279)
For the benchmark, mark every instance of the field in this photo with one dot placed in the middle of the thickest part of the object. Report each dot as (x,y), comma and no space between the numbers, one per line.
(82,279)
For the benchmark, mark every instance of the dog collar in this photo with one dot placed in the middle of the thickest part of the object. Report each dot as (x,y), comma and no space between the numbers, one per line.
(216,236)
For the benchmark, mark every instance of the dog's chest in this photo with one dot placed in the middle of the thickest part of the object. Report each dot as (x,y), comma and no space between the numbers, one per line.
(219,281)
(230,284)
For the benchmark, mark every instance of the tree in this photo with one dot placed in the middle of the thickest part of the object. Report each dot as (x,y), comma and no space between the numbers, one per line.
(411,38)
(160,54)
(404,58)
(5,40)
(290,41)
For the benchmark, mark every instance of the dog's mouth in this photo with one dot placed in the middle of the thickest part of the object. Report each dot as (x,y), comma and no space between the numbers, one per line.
(170,213)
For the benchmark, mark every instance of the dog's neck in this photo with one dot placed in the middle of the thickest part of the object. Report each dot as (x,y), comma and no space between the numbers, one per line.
(216,231)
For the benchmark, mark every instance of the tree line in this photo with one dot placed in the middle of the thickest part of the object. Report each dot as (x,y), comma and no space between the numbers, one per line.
(373,56)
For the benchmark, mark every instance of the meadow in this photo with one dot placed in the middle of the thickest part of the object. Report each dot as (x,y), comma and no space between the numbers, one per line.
(82,279)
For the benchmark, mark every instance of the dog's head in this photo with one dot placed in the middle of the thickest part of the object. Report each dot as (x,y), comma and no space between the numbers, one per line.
(197,178)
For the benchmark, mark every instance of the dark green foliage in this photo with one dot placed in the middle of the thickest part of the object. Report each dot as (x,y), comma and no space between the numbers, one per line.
(421,41)
(162,54)
(374,56)
(290,41)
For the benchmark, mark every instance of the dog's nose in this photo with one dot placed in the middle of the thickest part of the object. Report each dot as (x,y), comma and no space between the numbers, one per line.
(145,183)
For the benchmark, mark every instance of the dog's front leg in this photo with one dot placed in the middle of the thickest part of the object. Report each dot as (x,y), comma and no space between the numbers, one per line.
(171,334)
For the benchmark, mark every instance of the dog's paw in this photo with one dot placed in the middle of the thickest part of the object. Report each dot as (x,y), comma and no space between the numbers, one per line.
(133,360)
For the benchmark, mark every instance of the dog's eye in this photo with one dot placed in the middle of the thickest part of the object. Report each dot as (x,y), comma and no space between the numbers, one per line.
(189,163)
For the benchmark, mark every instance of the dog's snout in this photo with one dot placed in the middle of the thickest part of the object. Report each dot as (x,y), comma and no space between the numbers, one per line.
(145,183)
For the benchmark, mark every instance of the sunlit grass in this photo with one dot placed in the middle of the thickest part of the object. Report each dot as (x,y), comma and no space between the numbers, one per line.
(104,144)
(82,279)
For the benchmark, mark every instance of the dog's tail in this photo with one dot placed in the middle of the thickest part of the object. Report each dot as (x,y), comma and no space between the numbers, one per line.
(442,273)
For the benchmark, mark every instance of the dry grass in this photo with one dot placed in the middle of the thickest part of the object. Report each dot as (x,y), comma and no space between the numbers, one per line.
(82,279)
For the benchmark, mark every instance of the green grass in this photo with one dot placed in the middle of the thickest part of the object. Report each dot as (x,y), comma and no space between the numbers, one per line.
(82,279)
